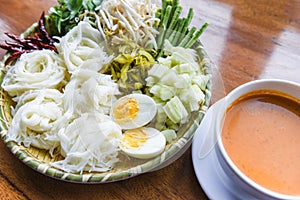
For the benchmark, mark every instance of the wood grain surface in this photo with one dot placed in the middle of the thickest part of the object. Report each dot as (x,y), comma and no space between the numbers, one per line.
(246,40)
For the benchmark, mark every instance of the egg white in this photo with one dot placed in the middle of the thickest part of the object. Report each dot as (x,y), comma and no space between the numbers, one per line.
(154,145)
(146,111)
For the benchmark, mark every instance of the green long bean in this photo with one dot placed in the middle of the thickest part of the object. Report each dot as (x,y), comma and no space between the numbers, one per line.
(174,28)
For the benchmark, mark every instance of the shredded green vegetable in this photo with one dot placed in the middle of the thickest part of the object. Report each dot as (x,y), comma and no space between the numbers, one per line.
(130,69)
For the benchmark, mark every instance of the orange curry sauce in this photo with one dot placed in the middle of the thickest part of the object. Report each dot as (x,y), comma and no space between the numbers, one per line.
(261,135)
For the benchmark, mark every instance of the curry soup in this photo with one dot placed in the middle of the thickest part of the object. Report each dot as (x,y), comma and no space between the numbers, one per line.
(261,134)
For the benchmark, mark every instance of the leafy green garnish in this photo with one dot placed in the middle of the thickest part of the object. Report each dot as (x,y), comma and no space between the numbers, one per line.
(66,15)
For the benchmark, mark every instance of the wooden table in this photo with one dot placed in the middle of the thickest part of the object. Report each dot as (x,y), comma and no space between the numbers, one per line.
(246,40)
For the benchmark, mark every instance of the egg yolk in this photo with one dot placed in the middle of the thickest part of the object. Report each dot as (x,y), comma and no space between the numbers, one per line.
(134,138)
(126,111)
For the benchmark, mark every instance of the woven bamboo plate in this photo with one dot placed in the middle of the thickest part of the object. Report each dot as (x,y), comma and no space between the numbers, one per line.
(39,159)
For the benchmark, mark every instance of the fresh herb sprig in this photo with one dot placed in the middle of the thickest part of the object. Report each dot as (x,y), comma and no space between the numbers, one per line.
(174,28)
(66,15)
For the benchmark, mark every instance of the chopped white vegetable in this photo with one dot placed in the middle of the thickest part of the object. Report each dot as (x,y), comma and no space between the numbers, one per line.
(201,81)
(192,98)
(165,92)
(170,135)
(161,117)
(176,111)
(178,81)
(158,71)
(181,54)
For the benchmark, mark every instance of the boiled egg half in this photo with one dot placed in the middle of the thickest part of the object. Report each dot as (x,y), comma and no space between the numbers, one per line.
(133,111)
(143,143)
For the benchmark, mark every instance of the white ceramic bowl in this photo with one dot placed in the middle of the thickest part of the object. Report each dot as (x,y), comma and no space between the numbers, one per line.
(240,179)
